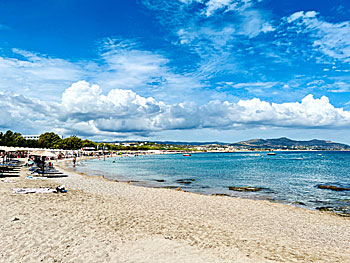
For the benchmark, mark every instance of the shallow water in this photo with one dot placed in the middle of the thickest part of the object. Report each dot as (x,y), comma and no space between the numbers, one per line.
(288,177)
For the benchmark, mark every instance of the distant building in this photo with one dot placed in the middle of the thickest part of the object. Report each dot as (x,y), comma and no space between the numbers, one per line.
(31,137)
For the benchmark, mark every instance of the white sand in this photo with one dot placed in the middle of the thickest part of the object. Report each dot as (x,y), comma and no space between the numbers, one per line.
(103,221)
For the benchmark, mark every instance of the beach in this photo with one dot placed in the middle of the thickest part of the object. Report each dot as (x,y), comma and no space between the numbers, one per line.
(99,220)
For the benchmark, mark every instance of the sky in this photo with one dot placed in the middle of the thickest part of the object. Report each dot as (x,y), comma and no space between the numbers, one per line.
(181,70)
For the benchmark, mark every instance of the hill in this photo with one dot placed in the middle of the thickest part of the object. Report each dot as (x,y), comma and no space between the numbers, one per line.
(286,143)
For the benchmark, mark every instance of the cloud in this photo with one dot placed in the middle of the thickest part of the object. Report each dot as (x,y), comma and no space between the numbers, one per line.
(331,39)
(227,5)
(254,24)
(339,87)
(120,111)
(212,33)
(127,66)
(125,111)
(301,14)
(254,85)
(212,6)
(37,74)
(20,112)
(121,65)
(310,113)
(85,110)
(86,102)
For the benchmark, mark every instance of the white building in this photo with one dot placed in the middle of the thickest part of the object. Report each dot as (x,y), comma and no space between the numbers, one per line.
(31,137)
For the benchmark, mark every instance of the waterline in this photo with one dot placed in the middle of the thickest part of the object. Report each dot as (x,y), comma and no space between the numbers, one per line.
(288,177)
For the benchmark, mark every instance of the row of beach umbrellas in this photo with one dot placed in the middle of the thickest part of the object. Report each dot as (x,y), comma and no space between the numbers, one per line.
(34,151)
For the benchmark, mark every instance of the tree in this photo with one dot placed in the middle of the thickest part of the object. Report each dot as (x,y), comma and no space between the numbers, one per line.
(88,143)
(50,140)
(72,143)
(11,139)
(31,144)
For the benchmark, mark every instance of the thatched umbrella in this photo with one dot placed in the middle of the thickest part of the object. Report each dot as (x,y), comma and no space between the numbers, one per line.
(43,154)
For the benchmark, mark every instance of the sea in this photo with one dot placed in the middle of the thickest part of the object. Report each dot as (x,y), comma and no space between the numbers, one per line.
(287,177)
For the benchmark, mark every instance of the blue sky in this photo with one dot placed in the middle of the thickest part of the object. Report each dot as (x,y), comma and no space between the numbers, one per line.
(197,70)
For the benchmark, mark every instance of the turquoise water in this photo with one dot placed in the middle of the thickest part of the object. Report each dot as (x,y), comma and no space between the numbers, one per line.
(288,177)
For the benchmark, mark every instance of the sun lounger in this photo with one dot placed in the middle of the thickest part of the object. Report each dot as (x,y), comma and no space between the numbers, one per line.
(33,190)
(48,172)
(3,175)
(55,176)
(45,176)
(9,168)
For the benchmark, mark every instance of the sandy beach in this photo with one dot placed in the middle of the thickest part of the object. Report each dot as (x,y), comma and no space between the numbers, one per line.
(103,221)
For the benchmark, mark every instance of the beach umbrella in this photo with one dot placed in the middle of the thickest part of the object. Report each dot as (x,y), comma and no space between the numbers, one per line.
(11,149)
(43,153)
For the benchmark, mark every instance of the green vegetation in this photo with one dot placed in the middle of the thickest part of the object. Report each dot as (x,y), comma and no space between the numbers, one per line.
(46,140)
(15,139)
(52,140)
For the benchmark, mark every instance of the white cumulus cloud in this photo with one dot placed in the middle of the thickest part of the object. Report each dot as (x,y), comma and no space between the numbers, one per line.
(86,102)
(85,110)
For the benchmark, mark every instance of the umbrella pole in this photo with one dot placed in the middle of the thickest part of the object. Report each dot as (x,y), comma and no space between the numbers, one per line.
(43,165)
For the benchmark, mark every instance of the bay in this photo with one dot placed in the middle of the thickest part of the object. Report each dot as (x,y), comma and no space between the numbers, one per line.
(287,177)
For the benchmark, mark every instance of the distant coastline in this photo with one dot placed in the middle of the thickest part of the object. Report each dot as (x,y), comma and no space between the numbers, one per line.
(50,140)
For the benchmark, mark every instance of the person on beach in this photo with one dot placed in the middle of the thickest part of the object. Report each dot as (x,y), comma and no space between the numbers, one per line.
(74,161)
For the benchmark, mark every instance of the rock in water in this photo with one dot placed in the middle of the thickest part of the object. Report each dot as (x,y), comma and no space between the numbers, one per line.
(332,187)
(185,181)
(325,208)
(244,188)
(219,194)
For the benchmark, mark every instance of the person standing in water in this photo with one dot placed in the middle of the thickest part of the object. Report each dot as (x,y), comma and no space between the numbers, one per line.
(74,161)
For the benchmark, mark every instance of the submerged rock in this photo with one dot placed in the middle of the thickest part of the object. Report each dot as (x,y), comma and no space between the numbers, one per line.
(344,200)
(332,187)
(190,179)
(325,208)
(185,181)
(244,188)
(299,203)
(170,187)
(219,194)
(132,181)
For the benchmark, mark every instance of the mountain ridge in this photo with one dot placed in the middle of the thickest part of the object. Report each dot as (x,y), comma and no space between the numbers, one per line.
(285,142)
(275,143)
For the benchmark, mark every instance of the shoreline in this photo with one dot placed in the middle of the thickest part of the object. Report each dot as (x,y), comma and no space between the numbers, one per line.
(286,208)
(240,195)
(99,220)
